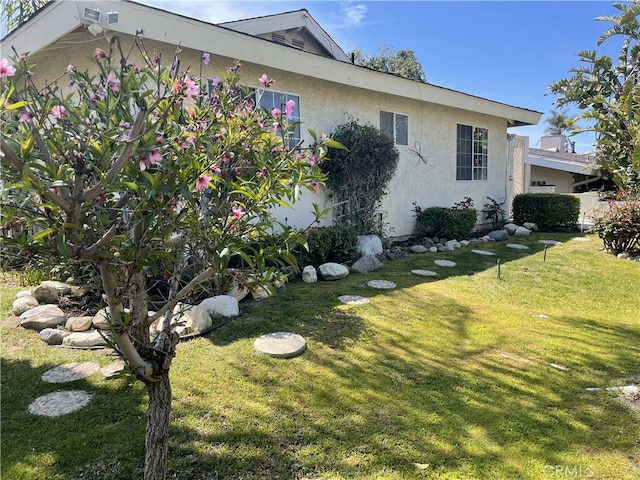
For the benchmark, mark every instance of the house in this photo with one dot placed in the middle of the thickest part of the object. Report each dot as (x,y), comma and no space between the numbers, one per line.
(452,145)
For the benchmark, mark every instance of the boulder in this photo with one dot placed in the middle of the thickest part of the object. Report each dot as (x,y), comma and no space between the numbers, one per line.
(510,228)
(187,320)
(369,245)
(238,290)
(260,293)
(498,235)
(309,274)
(24,303)
(333,271)
(101,319)
(521,231)
(49,291)
(221,306)
(88,339)
(23,293)
(530,226)
(79,324)
(53,336)
(368,263)
(41,317)
(418,249)
(453,243)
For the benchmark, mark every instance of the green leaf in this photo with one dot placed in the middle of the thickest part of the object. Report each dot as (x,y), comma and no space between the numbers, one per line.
(42,234)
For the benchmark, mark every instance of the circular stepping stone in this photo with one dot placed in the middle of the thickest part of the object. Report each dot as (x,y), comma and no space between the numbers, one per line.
(517,246)
(70,372)
(483,252)
(445,263)
(424,273)
(353,299)
(581,239)
(60,403)
(548,242)
(113,369)
(384,284)
(280,344)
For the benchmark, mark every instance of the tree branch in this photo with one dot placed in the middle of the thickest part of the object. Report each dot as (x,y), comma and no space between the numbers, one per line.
(119,164)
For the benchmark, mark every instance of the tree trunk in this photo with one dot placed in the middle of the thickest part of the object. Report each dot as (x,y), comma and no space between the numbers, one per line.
(157,437)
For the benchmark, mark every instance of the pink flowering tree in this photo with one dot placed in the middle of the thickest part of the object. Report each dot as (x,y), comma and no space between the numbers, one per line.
(135,169)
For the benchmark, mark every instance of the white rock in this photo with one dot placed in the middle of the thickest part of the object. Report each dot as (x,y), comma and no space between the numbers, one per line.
(46,293)
(24,293)
(333,271)
(260,293)
(42,316)
(238,291)
(24,303)
(521,231)
(53,336)
(90,338)
(367,263)
(433,249)
(510,228)
(530,226)
(418,249)
(464,243)
(445,263)
(382,284)
(101,319)
(192,320)
(221,306)
(454,243)
(309,274)
(369,245)
(354,299)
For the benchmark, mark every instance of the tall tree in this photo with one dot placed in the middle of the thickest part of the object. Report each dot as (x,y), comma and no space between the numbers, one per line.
(132,168)
(609,96)
(403,63)
(559,123)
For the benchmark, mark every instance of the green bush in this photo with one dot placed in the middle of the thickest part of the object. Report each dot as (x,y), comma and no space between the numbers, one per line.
(445,222)
(546,210)
(619,227)
(328,244)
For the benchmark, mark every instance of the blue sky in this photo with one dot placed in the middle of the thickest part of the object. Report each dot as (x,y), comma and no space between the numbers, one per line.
(507,51)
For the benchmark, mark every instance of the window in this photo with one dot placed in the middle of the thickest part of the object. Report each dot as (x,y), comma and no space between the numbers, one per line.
(472,153)
(395,126)
(270,100)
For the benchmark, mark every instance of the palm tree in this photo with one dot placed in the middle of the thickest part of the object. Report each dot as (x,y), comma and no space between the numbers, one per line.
(559,124)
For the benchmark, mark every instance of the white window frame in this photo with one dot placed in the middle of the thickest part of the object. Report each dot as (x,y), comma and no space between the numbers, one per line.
(396,136)
(473,160)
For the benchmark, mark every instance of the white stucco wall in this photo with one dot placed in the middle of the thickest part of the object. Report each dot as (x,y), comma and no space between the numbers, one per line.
(561,180)
(324,105)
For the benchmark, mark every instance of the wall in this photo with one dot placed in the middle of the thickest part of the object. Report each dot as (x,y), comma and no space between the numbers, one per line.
(429,180)
(561,180)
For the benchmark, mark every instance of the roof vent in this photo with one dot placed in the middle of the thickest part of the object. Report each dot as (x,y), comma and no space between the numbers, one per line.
(298,43)
(278,37)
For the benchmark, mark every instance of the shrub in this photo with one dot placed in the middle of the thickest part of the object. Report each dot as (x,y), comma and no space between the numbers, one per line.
(619,227)
(546,210)
(445,222)
(328,244)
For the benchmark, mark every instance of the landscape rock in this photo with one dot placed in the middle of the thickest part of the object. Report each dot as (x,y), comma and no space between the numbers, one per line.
(369,245)
(101,319)
(88,339)
(239,291)
(221,306)
(498,235)
(24,303)
(49,291)
(193,319)
(464,243)
(333,271)
(530,226)
(418,249)
(260,293)
(41,317)
(510,228)
(23,293)
(309,274)
(521,231)
(453,243)
(53,336)
(79,324)
(368,263)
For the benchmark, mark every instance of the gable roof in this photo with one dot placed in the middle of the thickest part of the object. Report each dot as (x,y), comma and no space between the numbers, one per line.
(52,26)
(564,161)
(297,29)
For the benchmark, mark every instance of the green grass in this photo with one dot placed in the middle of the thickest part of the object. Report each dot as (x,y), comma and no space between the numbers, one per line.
(444,377)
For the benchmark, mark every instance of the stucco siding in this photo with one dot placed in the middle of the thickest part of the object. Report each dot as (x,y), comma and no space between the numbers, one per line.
(426,171)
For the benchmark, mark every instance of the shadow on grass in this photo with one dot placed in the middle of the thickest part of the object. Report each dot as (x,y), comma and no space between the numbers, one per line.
(104,439)
(396,400)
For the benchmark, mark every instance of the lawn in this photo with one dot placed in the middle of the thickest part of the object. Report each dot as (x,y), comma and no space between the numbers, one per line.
(444,377)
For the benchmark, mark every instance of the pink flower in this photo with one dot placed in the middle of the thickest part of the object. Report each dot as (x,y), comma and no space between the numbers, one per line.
(6,70)
(216,81)
(205,58)
(216,171)
(264,79)
(203,182)
(314,185)
(100,53)
(113,82)
(276,112)
(26,117)
(143,164)
(288,109)
(237,213)
(58,111)
(154,156)
(313,159)
(71,68)
(192,88)
(192,140)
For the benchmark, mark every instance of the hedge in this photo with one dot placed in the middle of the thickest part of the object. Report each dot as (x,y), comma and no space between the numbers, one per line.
(546,210)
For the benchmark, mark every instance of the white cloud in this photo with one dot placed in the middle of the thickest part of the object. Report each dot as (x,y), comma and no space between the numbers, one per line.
(354,15)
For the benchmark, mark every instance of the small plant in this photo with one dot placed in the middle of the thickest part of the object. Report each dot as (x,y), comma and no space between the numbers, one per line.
(327,244)
(464,204)
(454,222)
(619,226)
(493,211)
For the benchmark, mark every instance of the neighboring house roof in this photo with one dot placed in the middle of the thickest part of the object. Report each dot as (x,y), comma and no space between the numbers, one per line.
(564,161)
(54,25)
